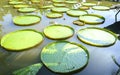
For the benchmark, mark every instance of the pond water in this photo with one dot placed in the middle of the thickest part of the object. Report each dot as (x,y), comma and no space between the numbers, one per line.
(100,62)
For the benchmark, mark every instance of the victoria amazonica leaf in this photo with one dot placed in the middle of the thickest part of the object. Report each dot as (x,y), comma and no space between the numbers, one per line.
(92,19)
(26,20)
(102,8)
(29,70)
(26,10)
(76,13)
(59,4)
(88,4)
(21,6)
(15,2)
(96,36)
(64,56)
(58,31)
(21,39)
(60,9)
(71,1)
(58,1)
(54,15)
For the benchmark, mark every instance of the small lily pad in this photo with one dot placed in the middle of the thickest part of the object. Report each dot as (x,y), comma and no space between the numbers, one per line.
(21,39)
(21,6)
(58,1)
(102,8)
(88,4)
(26,10)
(26,20)
(29,70)
(59,4)
(78,22)
(76,13)
(84,8)
(96,36)
(35,1)
(92,19)
(58,31)
(60,9)
(54,15)
(15,2)
(71,1)
(64,56)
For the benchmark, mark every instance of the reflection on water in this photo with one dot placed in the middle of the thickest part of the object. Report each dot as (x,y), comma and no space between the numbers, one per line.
(100,62)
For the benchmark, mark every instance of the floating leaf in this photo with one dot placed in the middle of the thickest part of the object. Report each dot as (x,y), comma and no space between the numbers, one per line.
(96,36)
(26,20)
(54,15)
(64,56)
(92,19)
(21,39)
(29,70)
(58,31)
(102,8)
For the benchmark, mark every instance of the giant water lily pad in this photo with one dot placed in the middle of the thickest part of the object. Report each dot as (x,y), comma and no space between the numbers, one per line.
(54,15)
(26,10)
(64,56)
(16,2)
(58,1)
(88,4)
(100,8)
(96,36)
(71,1)
(76,13)
(58,31)
(29,70)
(60,9)
(21,6)
(84,8)
(26,20)
(59,4)
(21,39)
(92,19)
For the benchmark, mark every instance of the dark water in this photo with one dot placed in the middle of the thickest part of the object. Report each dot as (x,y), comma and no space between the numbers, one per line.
(100,62)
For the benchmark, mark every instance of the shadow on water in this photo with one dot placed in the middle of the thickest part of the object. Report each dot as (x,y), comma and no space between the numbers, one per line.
(115,27)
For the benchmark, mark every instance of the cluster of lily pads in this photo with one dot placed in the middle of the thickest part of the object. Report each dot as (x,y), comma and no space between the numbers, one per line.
(60,56)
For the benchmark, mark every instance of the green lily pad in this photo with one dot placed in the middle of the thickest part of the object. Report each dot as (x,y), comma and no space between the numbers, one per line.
(84,8)
(96,36)
(76,13)
(54,15)
(58,1)
(88,4)
(92,19)
(21,6)
(102,8)
(71,1)
(15,2)
(46,6)
(59,4)
(58,31)
(26,10)
(29,70)
(60,9)
(64,56)
(26,20)
(35,1)
(21,39)
(78,22)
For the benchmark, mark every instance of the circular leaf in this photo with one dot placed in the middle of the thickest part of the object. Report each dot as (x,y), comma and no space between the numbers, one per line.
(58,1)
(54,15)
(102,8)
(21,39)
(64,57)
(21,6)
(59,4)
(26,10)
(60,9)
(88,4)
(96,36)
(26,20)
(84,8)
(58,31)
(92,19)
(76,13)
(71,2)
